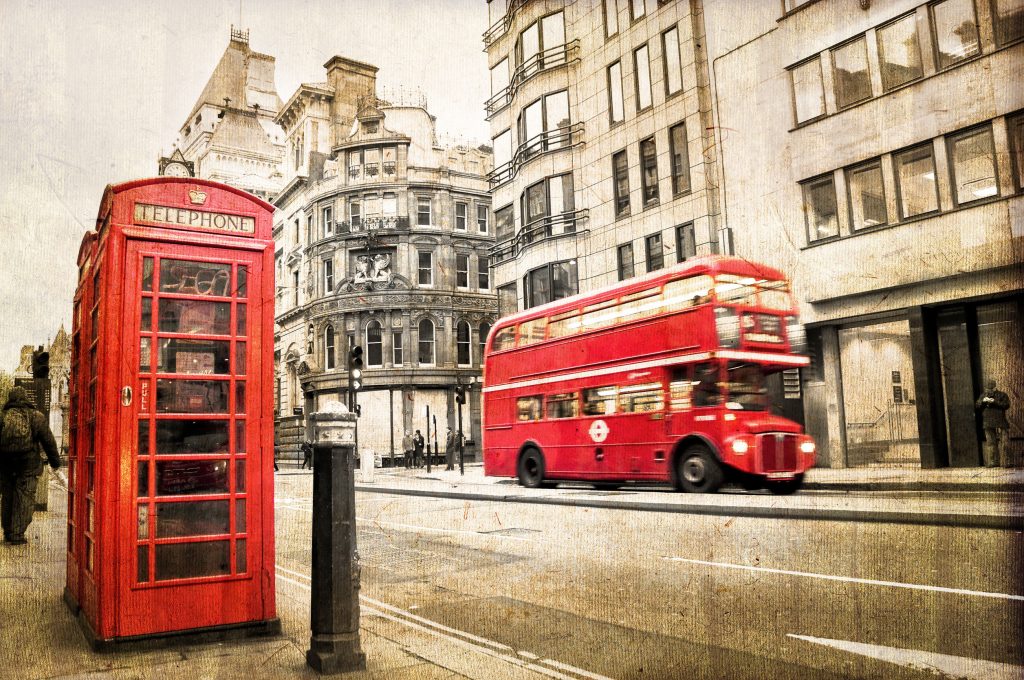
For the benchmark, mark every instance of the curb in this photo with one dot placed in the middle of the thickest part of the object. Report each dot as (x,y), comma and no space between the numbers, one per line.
(981,487)
(1000,522)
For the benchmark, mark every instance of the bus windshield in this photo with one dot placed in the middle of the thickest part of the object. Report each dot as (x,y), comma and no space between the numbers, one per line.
(745,387)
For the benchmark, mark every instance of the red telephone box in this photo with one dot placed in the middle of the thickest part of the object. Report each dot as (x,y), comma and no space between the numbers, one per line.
(170,494)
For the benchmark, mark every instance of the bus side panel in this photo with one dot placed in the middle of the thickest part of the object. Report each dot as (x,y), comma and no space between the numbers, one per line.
(499,448)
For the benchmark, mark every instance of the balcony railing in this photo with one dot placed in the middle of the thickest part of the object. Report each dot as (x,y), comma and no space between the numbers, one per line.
(371,172)
(502,25)
(548,226)
(372,223)
(560,55)
(551,140)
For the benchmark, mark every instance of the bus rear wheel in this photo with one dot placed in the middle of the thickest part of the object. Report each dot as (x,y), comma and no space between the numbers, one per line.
(697,471)
(785,487)
(531,468)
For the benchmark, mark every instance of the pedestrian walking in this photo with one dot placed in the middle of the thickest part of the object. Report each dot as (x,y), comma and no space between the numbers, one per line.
(408,447)
(993,405)
(24,432)
(417,449)
(307,455)
(450,444)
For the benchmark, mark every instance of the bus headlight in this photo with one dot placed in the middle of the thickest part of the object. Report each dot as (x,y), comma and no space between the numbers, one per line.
(807,447)
(740,445)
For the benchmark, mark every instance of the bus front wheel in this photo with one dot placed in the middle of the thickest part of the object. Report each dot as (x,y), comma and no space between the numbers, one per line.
(697,471)
(531,468)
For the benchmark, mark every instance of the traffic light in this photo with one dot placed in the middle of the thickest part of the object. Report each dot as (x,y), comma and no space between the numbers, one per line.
(460,394)
(355,368)
(40,364)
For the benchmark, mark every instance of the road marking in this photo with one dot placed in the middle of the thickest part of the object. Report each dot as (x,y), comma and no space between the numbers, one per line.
(932,662)
(468,640)
(851,579)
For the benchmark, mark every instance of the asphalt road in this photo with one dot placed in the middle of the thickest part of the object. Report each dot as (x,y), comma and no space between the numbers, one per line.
(590,592)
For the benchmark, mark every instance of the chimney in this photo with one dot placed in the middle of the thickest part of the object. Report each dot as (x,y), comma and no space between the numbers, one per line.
(352,82)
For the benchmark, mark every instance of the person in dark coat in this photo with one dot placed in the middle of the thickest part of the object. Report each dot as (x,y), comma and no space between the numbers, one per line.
(417,449)
(307,455)
(993,405)
(24,432)
(451,442)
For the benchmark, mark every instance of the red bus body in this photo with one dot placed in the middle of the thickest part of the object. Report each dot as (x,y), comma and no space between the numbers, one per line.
(631,382)
(170,493)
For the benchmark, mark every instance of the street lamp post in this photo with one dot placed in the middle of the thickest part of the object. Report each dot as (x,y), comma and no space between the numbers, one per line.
(460,399)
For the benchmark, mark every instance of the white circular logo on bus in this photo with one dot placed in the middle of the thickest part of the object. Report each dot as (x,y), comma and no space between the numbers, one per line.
(599,431)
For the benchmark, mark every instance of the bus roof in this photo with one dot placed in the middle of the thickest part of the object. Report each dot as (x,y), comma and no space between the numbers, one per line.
(707,264)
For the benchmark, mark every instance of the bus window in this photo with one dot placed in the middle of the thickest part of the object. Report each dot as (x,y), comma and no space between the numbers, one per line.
(747,391)
(705,385)
(531,331)
(528,408)
(680,389)
(775,295)
(564,324)
(599,401)
(639,305)
(683,293)
(641,398)
(736,289)
(599,315)
(563,405)
(504,338)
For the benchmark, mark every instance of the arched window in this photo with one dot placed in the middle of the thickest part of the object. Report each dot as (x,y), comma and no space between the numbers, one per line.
(426,353)
(462,344)
(485,329)
(374,344)
(329,347)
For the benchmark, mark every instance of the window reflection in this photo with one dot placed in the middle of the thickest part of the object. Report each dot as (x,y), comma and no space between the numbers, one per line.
(194,278)
(191,436)
(199,357)
(183,477)
(192,396)
(195,317)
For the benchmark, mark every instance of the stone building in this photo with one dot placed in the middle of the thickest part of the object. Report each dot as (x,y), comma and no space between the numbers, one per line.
(874,150)
(383,240)
(604,159)
(230,135)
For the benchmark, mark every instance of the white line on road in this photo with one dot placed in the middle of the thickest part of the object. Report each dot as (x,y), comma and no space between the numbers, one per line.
(474,642)
(945,664)
(850,579)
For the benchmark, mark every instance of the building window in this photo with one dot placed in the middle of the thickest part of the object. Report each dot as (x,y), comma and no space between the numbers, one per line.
(500,80)
(426,354)
(636,9)
(916,189)
(396,348)
(504,224)
(1015,131)
(1008,20)
(483,266)
(481,219)
(328,276)
(808,90)
(543,203)
(503,154)
(611,17)
(329,348)
(426,268)
(867,195)
(649,172)
(462,344)
(461,213)
(680,159)
(616,112)
(899,52)
(508,299)
(462,270)
(295,288)
(850,73)
(673,67)
(820,208)
(686,242)
(655,252)
(955,32)
(355,214)
(485,330)
(326,217)
(642,69)
(535,44)
(551,282)
(374,344)
(620,180)
(423,211)
(625,255)
(972,157)
(389,205)
(544,124)
(298,231)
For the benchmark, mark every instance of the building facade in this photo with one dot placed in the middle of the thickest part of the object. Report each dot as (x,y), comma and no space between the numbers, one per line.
(230,135)
(604,159)
(383,241)
(874,150)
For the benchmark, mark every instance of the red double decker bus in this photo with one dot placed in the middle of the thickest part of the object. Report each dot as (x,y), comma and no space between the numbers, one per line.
(658,378)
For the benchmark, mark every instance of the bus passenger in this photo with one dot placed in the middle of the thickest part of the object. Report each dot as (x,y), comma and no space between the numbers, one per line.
(705,391)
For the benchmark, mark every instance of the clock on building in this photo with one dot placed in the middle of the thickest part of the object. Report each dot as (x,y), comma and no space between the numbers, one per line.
(176,170)
(177,166)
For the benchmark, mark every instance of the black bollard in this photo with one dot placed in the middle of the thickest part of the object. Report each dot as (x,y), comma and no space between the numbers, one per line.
(334,607)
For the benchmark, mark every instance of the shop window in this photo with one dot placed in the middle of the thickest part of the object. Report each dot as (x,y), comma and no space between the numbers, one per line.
(808,90)
(867,195)
(955,32)
(899,52)
(850,73)
(820,208)
(972,158)
(916,188)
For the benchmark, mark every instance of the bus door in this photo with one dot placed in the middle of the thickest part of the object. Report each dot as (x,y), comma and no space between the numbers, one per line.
(694,394)
(640,408)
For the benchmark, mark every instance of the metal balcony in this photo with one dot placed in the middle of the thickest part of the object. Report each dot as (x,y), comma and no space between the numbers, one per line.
(560,55)
(501,26)
(546,142)
(548,226)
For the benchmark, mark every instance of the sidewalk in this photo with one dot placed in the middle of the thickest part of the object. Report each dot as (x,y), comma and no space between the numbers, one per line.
(41,639)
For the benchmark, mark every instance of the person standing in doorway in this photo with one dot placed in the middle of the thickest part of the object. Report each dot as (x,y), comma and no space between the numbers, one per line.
(993,405)
(450,444)
(417,449)
(24,432)
(407,448)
